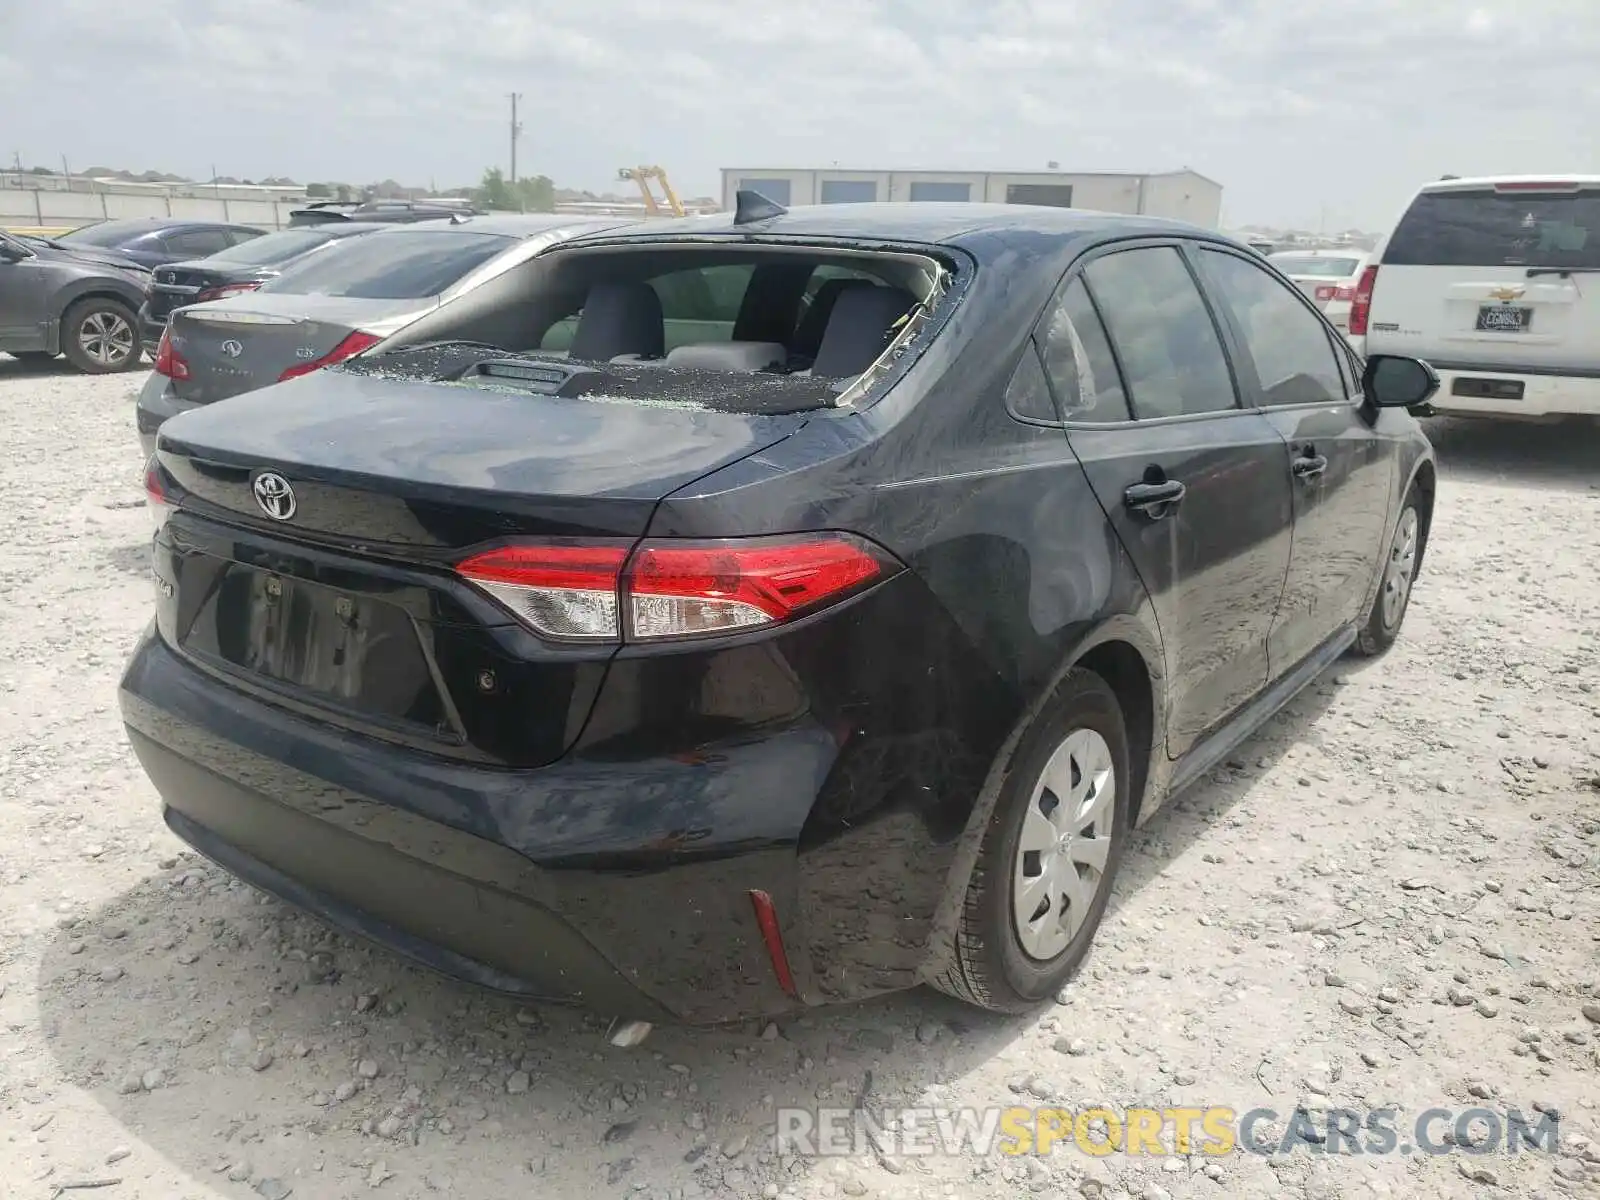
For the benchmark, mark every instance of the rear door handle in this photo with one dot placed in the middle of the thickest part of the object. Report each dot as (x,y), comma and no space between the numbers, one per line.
(1310,466)
(1155,500)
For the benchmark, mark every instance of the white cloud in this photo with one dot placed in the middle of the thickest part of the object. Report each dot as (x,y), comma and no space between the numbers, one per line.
(1294,106)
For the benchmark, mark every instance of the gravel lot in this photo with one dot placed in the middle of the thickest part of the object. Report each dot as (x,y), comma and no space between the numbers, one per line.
(1390,897)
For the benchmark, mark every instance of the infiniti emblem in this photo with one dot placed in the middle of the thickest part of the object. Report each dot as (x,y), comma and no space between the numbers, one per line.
(232,348)
(273,495)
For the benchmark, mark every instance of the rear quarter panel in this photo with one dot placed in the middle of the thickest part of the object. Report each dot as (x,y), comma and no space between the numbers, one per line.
(1013,574)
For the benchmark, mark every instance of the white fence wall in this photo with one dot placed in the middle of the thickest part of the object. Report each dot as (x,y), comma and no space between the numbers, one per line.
(29,209)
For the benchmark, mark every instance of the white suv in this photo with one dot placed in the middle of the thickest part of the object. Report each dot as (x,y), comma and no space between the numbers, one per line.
(1496,282)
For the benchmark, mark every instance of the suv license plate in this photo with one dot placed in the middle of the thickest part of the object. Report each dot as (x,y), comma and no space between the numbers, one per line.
(1504,318)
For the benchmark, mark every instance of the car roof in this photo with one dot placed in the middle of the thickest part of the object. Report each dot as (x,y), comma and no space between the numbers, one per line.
(929,223)
(165,224)
(513,225)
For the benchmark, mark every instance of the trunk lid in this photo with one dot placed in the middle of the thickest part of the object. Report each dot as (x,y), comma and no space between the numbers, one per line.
(246,342)
(349,610)
(422,466)
(1499,276)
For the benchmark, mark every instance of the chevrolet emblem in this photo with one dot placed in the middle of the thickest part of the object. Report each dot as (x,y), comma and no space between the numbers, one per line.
(1507,294)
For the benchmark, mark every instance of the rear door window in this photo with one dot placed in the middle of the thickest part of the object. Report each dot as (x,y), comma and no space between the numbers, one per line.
(197,243)
(404,265)
(1499,229)
(1172,359)
(1287,342)
(1078,360)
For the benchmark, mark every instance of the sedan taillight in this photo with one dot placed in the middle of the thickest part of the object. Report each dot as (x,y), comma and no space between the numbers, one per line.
(168,361)
(349,348)
(158,500)
(669,589)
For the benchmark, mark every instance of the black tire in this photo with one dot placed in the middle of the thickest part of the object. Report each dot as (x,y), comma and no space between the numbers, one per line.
(98,322)
(1385,617)
(32,357)
(990,968)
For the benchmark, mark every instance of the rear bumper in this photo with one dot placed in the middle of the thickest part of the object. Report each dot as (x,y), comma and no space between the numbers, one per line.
(156,405)
(1542,395)
(620,886)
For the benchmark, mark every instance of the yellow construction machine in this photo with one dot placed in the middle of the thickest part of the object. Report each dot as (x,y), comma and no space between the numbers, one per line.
(642,176)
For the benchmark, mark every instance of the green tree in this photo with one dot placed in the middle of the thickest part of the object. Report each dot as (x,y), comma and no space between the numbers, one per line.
(534,194)
(494,191)
(537,194)
(318,191)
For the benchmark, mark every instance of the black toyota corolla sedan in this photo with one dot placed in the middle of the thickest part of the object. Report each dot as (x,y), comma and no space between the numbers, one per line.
(725,616)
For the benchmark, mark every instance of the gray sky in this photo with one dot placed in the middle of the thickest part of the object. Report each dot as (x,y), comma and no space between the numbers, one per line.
(1294,105)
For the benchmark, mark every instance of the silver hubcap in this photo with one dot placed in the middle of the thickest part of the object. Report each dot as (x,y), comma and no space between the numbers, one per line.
(1402,564)
(1061,857)
(106,338)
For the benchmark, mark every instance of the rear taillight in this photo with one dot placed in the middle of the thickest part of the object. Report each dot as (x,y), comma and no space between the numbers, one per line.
(168,361)
(349,348)
(1324,294)
(223,290)
(674,589)
(158,500)
(567,592)
(1344,292)
(1361,301)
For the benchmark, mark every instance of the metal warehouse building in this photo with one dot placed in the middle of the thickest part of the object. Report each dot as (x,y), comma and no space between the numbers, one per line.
(1181,195)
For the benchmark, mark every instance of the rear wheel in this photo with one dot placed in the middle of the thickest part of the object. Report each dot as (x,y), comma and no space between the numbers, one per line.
(1043,876)
(1399,574)
(101,336)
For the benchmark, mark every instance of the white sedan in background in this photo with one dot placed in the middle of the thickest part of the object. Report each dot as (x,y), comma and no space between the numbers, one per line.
(1328,277)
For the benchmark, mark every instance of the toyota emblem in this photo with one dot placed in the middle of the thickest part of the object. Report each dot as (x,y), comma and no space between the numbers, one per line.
(273,495)
(232,348)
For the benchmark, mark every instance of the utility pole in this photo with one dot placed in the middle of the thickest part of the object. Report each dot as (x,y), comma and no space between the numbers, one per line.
(516,132)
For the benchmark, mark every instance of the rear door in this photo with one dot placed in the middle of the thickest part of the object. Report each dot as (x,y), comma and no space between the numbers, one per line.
(1342,476)
(1503,276)
(1194,484)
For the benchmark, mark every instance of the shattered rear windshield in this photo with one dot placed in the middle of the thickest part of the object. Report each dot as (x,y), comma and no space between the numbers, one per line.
(763,329)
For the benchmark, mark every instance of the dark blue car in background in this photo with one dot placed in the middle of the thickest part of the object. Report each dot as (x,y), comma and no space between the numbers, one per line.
(155,241)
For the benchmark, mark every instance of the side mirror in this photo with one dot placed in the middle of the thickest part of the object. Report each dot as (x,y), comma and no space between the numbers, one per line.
(11,252)
(1393,381)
